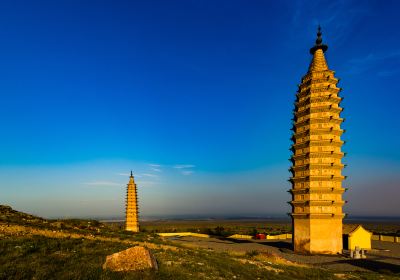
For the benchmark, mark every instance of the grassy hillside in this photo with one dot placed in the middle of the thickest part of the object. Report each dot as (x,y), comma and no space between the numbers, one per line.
(35,248)
(9,215)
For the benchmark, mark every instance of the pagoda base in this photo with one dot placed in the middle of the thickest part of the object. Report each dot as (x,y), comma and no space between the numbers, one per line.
(132,228)
(317,236)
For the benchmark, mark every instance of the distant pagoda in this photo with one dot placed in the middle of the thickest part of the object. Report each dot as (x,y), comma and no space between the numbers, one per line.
(317,159)
(132,207)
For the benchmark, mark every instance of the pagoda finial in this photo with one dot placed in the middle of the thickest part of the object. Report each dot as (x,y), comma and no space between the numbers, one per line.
(318,43)
(131,174)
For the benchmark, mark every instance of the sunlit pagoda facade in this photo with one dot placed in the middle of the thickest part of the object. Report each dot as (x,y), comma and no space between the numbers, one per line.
(317,159)
(132,207)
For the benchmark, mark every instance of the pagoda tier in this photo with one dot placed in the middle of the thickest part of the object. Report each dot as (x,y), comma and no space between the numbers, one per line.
(317,159)
(132,207)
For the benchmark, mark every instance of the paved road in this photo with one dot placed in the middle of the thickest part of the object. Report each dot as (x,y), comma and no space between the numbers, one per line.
(385,256)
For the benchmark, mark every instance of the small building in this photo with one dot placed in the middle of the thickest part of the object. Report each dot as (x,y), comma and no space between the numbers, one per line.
(260,236)
(356,236)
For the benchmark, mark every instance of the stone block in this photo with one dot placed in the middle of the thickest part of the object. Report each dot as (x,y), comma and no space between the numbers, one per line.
(133,259)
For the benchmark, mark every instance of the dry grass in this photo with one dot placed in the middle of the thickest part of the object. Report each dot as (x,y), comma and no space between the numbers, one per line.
(34,248)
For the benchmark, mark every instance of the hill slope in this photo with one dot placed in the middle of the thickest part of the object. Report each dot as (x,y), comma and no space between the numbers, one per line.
(9,215)
(36,248)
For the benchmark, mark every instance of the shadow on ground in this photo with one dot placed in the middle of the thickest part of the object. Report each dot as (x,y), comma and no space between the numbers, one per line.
(368,264)
(235,240)
(281,245)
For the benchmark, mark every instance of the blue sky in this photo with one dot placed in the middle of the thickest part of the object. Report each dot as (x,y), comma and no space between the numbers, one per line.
(195,96)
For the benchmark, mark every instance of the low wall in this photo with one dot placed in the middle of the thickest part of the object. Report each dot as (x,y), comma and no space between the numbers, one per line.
(279,236)
(241,236)
(387,238)
(235,236)
(167,234)
(269,237)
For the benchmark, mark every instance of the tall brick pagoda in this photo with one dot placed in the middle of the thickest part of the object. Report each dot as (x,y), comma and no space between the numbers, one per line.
(317,159)
(132,207)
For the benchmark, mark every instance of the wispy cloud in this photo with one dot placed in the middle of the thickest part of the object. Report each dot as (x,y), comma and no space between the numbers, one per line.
(149,175)
(184,166)
(103,184)
(155,167)
(376,57)
(187,172)
(185,169)
(372,60)
(336,17)
(147,183)
(129,174)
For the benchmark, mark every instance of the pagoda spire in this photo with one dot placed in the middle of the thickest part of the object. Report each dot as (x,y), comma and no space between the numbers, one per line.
(318,43)
(318,63)
(131,178)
